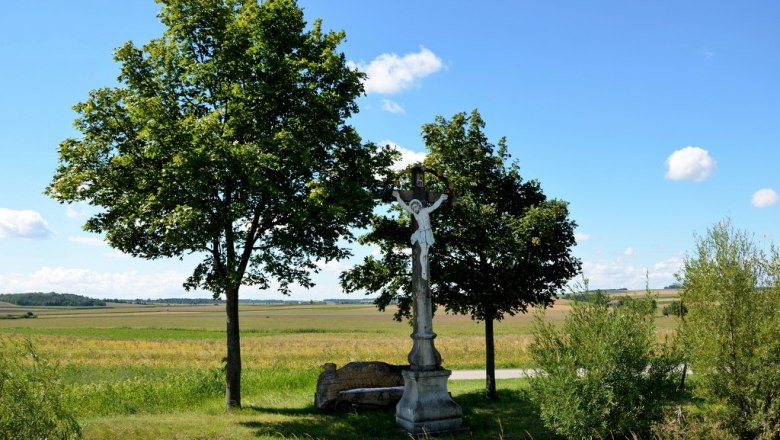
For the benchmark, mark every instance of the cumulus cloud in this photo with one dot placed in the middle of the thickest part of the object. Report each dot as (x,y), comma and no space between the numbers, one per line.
(22,224)
(629,252)
(764,198)
(92,241)
(72,212)
(619,273)
(392,106)
(408,157)
(129,284)
(690,163)
(332,266)
(390,73)
(580,237)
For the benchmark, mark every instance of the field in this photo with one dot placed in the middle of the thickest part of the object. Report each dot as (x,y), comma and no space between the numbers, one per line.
(153,372)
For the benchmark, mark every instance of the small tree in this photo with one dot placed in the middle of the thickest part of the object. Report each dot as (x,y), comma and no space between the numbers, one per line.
(603,373)
(503,247)
(226,138)
(31,396)
(675,308)
(732,291)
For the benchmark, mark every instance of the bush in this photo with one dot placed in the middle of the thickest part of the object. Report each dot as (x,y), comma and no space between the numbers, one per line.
(732,291)
(31,396)
(603,373)
(649,303)
(675,308)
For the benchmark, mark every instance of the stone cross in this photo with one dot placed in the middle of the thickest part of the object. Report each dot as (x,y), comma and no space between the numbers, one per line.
(424,356)
(426,407)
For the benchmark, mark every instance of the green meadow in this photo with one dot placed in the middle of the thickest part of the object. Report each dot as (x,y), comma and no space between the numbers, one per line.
(154,372)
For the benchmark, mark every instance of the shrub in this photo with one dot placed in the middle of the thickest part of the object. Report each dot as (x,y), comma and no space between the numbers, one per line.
(31,396)
(649,303)
(603,373)
(732,291)
(675,308)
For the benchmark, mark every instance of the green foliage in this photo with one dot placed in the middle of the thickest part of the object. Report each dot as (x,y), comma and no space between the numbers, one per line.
(227,139)
(603,373)
(675,308)
(649,302)
(731,288)
(31,396)
(27,315)
(50,299)
(501,248)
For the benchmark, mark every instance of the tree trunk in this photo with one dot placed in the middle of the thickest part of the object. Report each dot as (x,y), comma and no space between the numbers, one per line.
(490,361)
(233,367)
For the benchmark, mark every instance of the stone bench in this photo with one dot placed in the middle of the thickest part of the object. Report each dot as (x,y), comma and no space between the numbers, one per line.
(372,384)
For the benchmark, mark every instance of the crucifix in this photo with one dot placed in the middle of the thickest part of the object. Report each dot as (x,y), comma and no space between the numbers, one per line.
(424,355)
(426,407)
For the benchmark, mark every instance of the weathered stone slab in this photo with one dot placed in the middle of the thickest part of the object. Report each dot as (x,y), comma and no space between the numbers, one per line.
(362,383)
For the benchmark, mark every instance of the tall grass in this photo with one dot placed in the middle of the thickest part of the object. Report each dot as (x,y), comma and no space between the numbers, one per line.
(146,395)
(31,396)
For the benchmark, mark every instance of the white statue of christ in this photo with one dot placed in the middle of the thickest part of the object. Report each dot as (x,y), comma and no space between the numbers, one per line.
(423,235)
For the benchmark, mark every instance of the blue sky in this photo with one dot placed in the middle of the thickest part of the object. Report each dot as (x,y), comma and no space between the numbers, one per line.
(654,120)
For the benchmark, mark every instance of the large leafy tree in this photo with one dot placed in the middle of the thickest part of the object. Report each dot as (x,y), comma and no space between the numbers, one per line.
(226,138)
(503,247)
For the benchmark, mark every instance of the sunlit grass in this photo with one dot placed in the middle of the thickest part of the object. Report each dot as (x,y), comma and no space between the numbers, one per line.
(155,372)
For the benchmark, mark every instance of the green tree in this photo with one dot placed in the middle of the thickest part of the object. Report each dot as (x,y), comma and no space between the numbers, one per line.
(32,395)
(675,308)
(226,138)
(731,288)
(604,374)
(502,248)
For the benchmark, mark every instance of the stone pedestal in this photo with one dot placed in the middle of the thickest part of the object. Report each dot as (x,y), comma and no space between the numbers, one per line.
(426,407)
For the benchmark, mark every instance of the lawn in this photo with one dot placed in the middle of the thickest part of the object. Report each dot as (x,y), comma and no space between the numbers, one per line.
(153,372)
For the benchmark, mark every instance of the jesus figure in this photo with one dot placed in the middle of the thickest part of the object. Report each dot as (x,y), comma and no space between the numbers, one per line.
(423,235)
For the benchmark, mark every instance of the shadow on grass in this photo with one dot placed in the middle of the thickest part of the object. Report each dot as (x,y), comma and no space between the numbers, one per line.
(511,417)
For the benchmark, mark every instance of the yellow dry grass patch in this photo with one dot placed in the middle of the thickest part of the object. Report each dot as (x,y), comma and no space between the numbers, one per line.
(292,351)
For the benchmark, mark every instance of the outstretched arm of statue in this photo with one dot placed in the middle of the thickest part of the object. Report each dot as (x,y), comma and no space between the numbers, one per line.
(403,204)
(436,204)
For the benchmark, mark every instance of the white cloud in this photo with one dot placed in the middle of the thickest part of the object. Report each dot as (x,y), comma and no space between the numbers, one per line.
(392,106)
(629,252)
(390,73)
(92,241)
(22,224)
(621,273)
(72,212)
(332,266)
(129,284)
(408,157)
(764,198)
(580,237)
(117,254)
(690,163)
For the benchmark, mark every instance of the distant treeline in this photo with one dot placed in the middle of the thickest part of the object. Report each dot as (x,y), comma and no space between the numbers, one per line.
(200,301)
(50,299)
(588,296)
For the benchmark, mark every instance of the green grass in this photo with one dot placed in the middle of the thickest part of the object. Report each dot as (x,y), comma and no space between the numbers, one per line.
(292,415)
(153,372)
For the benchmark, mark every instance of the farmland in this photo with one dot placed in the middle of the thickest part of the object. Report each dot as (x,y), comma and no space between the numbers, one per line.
(153,371)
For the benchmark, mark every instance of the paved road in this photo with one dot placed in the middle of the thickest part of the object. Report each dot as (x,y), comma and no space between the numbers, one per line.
(511,373)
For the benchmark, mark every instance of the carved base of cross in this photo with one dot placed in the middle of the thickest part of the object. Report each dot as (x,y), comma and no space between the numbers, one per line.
(426,407)
(424,356)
